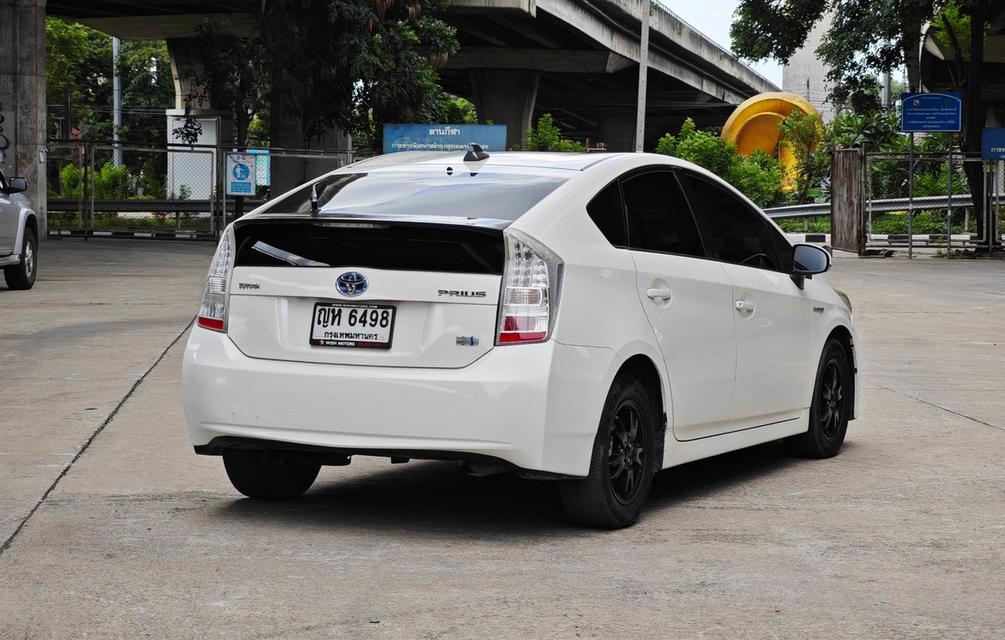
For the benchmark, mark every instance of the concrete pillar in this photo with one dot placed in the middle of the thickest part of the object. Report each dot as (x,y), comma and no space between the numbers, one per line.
(617,131)
(506,96)
(186,66)
(22,97)
(288,169)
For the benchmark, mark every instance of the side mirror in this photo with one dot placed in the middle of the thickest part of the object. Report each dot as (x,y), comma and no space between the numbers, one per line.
(809,260)
(16,185)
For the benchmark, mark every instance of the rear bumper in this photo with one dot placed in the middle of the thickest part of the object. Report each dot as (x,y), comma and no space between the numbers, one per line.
(535,407)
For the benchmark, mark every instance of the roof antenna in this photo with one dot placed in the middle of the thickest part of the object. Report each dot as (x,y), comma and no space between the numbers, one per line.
(475,153)
(314,199)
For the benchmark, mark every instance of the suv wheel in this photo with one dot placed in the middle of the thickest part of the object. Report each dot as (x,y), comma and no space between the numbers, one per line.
(22,274)
(621,469)
(830,409)
(271,475)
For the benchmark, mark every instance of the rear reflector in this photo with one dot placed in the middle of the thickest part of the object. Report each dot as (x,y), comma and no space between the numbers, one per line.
(509,337)
(216,324)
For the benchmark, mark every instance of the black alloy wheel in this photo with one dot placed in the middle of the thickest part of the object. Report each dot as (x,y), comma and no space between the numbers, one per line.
(622,465)
(831,401)
(627,458)
(831,408)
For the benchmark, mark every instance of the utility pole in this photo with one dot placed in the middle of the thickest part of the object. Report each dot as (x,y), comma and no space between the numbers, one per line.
(640,115)
(116,102)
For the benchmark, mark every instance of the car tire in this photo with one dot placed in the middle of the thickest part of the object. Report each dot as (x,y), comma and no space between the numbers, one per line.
(622,464)
(830,407)
(22,275)
(271,475)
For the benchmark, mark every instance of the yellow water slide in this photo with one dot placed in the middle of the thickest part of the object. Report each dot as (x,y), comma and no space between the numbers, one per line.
(753,126)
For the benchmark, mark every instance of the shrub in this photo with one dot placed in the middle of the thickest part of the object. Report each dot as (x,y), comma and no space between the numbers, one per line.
(548,137)
(110,182)
(758,176)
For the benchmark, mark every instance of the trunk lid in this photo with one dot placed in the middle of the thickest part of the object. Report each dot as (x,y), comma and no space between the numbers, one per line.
(440,282)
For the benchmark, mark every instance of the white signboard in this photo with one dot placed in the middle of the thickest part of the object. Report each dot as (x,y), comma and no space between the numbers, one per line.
(241,172)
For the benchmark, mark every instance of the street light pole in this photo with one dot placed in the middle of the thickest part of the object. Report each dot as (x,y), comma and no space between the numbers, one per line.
(116,102)
(640,115)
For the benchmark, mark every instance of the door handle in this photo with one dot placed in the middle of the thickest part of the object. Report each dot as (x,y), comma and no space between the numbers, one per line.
(745,305)
(659,294)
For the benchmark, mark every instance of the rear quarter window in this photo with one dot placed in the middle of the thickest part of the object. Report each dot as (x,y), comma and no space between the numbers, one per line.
(608,214)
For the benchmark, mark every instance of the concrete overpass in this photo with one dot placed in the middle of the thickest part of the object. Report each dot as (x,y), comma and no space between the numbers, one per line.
(577,59)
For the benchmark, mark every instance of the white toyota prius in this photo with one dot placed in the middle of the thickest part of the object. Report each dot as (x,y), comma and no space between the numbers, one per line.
(590,319)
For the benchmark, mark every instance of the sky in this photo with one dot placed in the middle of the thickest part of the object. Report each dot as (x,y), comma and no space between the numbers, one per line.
(713,17)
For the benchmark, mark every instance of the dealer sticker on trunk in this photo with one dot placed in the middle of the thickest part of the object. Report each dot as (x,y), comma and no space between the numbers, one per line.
(365,326)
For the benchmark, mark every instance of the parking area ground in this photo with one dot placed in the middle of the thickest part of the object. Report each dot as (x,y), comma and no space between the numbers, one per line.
(900,536)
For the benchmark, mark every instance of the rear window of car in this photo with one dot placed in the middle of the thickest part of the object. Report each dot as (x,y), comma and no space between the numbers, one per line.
(454,192)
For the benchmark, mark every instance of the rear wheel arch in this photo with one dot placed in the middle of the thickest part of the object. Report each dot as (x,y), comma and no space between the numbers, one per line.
(642,368)
(844,337)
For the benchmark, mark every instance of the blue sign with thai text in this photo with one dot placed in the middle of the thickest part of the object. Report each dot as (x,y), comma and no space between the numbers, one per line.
(993,143)
(931,112)
(443,137)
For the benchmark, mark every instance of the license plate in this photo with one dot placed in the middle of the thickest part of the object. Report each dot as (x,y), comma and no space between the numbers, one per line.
(362,326)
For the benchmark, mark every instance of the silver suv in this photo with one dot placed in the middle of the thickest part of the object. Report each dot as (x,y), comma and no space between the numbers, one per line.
(18,234)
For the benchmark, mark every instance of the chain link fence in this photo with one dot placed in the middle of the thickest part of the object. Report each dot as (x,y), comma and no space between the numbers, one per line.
(173,191)
(278,171)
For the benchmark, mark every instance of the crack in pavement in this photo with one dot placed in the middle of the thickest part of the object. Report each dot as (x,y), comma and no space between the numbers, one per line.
(87,443)
(939,406)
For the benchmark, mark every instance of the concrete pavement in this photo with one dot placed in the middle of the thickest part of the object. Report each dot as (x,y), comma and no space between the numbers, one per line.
(898,537)
(100,314)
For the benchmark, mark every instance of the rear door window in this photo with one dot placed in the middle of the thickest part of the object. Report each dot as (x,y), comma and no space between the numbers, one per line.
(659,218)
(732,230)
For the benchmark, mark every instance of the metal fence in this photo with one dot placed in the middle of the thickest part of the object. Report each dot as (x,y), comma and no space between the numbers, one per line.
(170,191)
(939,209)
(932,206)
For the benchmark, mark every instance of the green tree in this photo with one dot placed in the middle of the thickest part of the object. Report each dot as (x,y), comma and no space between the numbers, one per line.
(147,89)
(871,36)
(78,58)
(355,65)
(234,74)
(873,130)
(803,135)
(546,136)
(404,85)
(758,176)
(457,110)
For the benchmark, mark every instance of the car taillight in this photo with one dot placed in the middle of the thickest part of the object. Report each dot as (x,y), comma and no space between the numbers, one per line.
(528,301)
(213,309)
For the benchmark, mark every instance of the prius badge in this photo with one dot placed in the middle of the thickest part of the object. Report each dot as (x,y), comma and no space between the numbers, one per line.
(351,283)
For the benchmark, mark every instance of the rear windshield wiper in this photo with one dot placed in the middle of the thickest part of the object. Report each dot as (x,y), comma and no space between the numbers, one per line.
(286,256)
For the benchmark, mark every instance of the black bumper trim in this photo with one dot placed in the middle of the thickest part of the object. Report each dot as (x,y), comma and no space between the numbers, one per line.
(340,456)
